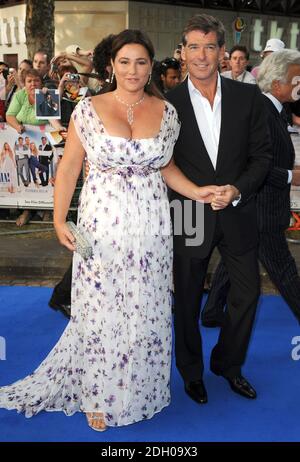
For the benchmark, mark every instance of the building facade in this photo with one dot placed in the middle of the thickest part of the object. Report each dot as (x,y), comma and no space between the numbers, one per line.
(85,23)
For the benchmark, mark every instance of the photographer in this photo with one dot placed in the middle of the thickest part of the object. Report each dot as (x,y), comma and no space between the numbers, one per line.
(15,80)
(68,59)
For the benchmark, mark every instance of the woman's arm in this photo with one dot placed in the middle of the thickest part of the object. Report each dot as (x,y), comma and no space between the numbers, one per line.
(14,109)
(13,122)
(65,183)
(177,181)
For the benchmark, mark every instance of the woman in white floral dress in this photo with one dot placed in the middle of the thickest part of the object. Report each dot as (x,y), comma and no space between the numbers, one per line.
(113,360)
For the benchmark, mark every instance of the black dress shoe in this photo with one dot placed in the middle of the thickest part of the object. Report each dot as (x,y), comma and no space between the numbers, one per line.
(241,386)
(64,308)
(196,391)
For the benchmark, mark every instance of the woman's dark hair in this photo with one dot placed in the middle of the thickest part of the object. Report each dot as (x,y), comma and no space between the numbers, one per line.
(102,56)
(128,37)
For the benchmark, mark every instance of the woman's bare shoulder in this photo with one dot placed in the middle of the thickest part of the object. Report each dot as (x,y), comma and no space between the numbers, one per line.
(101,99)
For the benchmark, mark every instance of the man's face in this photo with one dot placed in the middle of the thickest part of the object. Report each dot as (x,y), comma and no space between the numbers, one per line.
(27,140)
(171,79)
(238,62)
(288,91)
(202,55)
(40,63)
(44,140)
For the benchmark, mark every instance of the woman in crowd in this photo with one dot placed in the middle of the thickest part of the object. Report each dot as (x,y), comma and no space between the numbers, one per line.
(15,80)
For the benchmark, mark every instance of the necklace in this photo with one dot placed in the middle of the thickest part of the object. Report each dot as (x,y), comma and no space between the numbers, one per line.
(129,107)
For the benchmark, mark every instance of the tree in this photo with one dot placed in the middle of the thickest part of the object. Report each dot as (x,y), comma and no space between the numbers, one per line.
(39,26)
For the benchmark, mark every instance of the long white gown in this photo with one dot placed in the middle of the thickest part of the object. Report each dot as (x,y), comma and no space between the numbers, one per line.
(9,168)
(114,356)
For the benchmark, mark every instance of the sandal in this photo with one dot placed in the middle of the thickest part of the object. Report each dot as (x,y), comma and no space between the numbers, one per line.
(96,418)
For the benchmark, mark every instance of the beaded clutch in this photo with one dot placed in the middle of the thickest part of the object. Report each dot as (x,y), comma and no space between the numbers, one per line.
(82,245)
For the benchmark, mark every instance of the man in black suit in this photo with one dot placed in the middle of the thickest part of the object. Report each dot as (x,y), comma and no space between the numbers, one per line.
(45,158)
(278,80)
(223,142)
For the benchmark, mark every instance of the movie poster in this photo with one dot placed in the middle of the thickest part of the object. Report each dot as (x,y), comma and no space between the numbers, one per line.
(28,165)
(295,190)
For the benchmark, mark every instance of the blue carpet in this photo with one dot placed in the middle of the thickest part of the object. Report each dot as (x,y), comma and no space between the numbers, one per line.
(31,329)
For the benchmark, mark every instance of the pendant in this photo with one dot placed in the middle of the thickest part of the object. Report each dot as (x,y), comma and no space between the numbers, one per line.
(130,115)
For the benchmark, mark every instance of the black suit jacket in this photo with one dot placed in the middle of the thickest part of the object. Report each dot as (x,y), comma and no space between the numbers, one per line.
(273,199)
(243,160)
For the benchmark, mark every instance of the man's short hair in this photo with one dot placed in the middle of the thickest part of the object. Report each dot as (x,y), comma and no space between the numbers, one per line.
(241,48)
(42,52)
(169,63)
(205,23)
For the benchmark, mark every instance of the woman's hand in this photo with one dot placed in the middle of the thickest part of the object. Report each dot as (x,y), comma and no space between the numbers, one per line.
(20,129)
(65,236)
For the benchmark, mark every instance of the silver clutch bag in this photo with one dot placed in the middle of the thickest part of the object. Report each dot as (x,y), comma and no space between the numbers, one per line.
(82,245)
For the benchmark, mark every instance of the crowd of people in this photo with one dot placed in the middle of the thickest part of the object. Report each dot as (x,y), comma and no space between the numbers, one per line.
(198,129)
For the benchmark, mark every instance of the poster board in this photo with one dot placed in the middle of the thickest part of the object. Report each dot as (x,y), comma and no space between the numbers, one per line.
(28,166)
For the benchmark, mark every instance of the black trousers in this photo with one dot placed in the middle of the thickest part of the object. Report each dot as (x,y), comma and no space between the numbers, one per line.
(229,354)
(276,257)
(62,291)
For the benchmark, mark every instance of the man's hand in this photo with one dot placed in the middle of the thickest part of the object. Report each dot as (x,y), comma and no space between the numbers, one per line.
(205,194)
(296,177)
(224,195)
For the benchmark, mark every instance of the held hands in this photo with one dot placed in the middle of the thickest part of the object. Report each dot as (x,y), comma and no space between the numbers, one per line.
(65,236)
(218,196)
(224,195)
(205,194)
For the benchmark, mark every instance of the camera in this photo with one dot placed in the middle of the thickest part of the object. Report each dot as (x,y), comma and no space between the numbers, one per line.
(74,77)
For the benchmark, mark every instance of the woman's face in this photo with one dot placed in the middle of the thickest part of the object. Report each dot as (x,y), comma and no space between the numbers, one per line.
(21,70)
(32,83)
(132,67)
(6,146)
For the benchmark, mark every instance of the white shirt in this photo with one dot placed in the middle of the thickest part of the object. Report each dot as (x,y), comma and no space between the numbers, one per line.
(209,121)
(208,118)
(245,77)
(279,107)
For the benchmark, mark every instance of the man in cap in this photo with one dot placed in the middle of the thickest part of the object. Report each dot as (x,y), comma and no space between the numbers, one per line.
(273,44)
